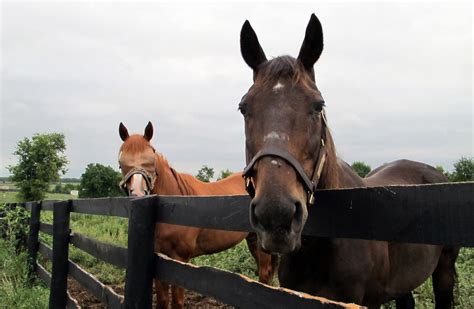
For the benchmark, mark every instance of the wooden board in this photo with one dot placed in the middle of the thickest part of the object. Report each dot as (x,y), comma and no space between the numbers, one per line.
(236,290)
(97,288)
(45,251)
(108,253)
(118,206)
(44,275)
(48,205)
(141,254)
(432,214)
(46,228)
(58,297)
(32,243)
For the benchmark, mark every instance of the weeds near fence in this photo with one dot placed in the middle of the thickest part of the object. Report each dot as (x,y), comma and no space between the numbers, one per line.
(16,290)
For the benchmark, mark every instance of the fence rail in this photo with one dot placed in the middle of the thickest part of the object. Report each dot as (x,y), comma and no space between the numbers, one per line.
(432,214)
(97,288)
(257,295)
(393,213)
(108,253)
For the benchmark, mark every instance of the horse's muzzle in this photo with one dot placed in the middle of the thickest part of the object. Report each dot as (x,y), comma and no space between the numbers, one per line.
(278,223)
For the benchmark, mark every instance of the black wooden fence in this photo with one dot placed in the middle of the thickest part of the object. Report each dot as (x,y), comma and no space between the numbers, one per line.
(431,214)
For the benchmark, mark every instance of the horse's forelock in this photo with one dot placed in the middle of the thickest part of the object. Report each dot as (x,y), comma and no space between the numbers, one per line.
(135,144)
(285,68)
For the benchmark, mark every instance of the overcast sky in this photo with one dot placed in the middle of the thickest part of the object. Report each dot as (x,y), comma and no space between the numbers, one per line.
(396,77)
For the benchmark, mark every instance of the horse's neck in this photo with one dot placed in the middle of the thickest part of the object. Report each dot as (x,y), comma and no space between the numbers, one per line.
(169,181)
(337,173)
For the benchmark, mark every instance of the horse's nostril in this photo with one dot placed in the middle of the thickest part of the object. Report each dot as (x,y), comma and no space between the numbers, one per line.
(252,212)
(254,220)
(298,208)
(297,222)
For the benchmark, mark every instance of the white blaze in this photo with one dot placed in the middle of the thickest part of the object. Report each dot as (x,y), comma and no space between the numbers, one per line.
(276,135)
(278,86)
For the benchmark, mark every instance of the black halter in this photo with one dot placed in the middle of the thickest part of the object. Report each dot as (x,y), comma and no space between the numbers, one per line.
(310,184)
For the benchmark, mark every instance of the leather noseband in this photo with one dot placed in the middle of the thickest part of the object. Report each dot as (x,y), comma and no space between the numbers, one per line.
(149,179)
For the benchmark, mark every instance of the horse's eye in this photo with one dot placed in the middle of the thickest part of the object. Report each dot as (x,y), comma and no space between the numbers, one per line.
(243,108)
(318,106)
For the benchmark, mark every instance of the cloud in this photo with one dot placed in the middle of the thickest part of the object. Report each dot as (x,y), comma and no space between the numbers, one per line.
(396,77)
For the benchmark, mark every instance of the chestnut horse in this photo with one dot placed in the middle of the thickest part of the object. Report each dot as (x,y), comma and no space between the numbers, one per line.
(290,153)
(148,172)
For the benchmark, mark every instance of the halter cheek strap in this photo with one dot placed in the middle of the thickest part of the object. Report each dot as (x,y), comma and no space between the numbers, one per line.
(149,179)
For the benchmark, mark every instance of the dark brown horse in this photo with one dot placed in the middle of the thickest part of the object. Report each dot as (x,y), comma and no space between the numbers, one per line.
(148,172)
(290,153)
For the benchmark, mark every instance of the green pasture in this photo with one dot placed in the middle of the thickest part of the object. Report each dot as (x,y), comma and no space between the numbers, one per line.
(12,197)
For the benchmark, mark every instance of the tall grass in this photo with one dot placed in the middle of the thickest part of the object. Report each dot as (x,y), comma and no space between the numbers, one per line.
(16,291)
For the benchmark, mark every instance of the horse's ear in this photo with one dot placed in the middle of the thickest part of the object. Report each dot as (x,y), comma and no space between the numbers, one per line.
(148,131)
(312,44)
(123,132)
(250,48)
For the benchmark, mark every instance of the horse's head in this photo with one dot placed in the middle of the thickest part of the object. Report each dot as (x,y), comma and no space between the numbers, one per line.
(137,162)
(285,132)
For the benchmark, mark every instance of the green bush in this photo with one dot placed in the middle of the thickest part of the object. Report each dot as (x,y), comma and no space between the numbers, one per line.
(14,225)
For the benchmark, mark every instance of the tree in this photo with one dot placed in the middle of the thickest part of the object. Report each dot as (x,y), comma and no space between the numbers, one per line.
(463,170)
(440,169)
(100,181)
(40,161)
(361,168)
(58,188)
(224,174)
(205,174)
(68,188)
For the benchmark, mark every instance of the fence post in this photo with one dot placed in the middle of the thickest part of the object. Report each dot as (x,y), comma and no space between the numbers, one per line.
(58,293)
(141,254)
(32,242)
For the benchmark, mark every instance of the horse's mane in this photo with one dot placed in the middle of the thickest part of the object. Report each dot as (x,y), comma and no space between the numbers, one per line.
(184,181)
(330,175)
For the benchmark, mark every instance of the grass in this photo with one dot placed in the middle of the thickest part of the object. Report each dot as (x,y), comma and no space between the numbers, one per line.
(8,197)
(15,289)
(237,259)
(12,197)
(106,229)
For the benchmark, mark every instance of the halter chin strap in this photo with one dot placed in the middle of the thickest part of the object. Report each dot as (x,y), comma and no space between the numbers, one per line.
(310,184)
(149,179)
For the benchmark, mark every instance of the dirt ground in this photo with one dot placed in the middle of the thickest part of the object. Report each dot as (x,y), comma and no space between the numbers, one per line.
(87,300)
